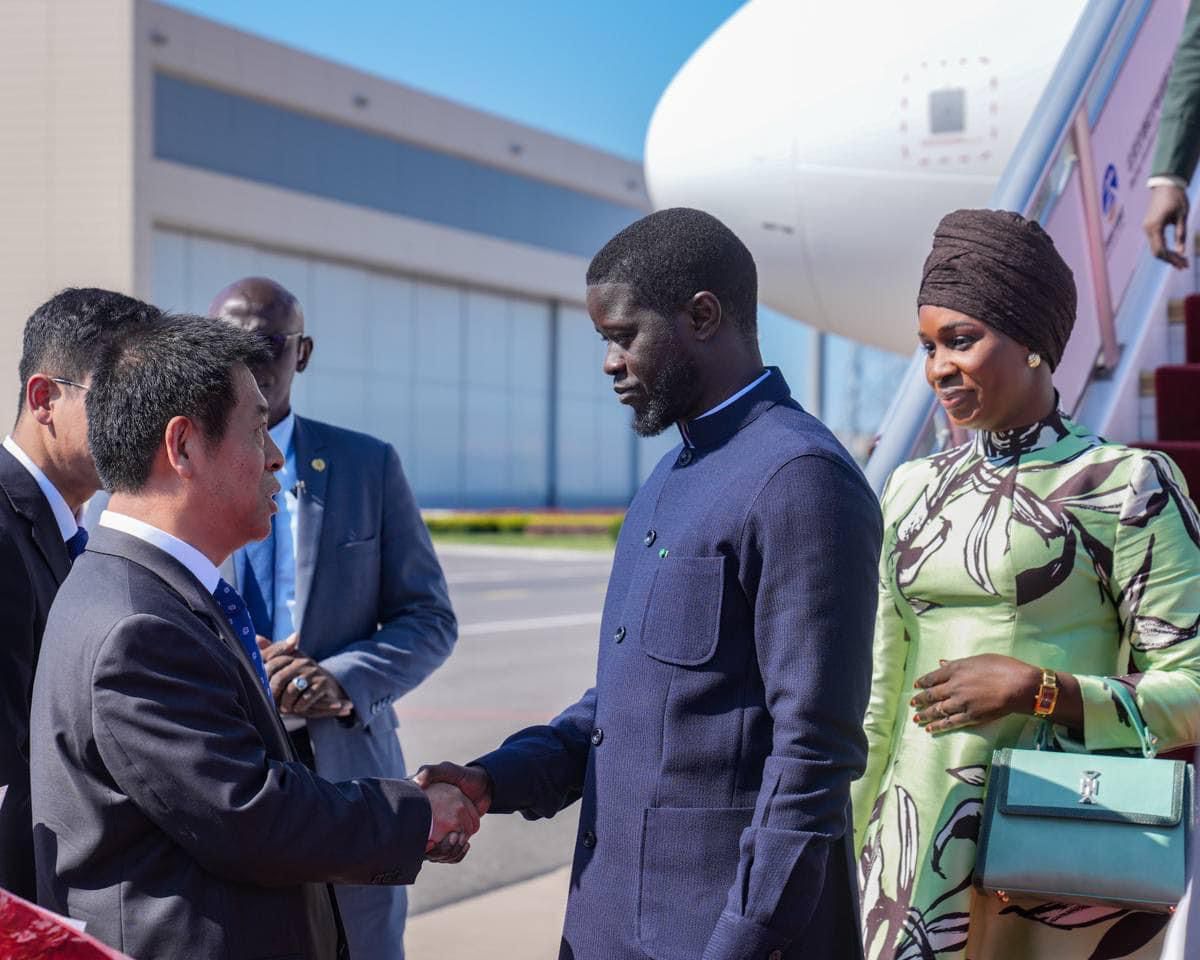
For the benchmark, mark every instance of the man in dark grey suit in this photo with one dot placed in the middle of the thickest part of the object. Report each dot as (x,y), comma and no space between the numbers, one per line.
(46,473)
(346,592)
(170,812)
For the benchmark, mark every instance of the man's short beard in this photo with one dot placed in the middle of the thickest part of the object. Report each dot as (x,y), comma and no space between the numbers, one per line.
(676,387)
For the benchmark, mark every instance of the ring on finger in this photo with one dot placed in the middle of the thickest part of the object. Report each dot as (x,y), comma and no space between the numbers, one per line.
(941,711)
(301,684)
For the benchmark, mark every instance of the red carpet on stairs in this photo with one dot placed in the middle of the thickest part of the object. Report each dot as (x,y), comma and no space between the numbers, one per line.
(1177,403)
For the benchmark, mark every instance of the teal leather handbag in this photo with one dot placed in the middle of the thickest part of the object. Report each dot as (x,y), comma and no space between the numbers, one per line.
(1089,828)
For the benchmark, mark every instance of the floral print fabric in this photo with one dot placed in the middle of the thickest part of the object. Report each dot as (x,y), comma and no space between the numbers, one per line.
(1049,545)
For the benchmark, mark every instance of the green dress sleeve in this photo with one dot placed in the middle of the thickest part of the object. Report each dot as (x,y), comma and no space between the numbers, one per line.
(887,680)
(1156,580)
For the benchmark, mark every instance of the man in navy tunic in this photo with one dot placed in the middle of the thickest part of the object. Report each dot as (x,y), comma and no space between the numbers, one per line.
(715,753)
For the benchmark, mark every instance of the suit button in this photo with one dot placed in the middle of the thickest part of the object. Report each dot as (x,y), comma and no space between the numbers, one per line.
(619,635)
(589,839)
(597,737)
(685,457)
(650,537)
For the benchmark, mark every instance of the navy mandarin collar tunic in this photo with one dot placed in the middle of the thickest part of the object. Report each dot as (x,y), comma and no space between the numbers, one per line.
(714,755)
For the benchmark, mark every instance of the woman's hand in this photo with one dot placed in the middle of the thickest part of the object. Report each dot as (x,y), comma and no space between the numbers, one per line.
(974,690)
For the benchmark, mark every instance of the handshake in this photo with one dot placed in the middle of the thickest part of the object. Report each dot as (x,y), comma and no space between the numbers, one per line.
(458,797)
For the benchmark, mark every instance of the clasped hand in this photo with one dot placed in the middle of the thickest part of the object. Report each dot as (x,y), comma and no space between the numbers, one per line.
(318,694)
(459,797)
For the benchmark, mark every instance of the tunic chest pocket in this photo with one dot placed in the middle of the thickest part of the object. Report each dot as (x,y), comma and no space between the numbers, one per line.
(683,615)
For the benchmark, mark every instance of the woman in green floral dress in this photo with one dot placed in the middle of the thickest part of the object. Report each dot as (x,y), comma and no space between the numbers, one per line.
(1034,546)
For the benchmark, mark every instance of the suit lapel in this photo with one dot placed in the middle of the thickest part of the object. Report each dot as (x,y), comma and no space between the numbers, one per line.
(312,473)
(29,502)
(200,602)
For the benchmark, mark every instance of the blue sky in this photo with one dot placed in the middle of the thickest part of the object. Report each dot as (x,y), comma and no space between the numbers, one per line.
(589,71)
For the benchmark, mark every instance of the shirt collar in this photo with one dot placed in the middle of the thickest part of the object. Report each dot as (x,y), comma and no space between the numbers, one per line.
(68,525)
(197,563)
(728,417)
(283,432)
(1010,445)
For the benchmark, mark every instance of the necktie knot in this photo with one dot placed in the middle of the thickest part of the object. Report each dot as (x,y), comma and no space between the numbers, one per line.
(238,615)
(77,543)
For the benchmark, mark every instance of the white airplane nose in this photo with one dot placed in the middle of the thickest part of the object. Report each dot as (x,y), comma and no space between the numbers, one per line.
(832,138)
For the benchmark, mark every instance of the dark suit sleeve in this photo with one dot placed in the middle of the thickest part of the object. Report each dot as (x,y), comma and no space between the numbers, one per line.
(17,654)
(540,770)
(1179,129)
(417,628)
(176,737)
(809,567)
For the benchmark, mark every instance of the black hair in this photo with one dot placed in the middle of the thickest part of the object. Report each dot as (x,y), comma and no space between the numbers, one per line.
(65,335)
(669,256)
(180,365)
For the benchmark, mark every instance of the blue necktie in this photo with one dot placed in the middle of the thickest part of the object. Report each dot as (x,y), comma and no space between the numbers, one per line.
(260,561)
(236,612)
(77,543)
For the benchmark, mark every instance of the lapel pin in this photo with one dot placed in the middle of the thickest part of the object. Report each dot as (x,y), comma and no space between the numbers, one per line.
(318,464)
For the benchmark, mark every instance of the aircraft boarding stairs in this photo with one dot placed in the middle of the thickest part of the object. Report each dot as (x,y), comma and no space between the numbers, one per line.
(1132,369)
(1172,425)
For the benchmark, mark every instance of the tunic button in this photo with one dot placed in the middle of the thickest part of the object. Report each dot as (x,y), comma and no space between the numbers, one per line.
(651,536)
(685,457)
(589,839)
(597,737)
(619,635)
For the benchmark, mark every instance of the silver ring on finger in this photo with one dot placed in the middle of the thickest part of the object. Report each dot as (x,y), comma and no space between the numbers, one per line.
(941,711)
(301,684)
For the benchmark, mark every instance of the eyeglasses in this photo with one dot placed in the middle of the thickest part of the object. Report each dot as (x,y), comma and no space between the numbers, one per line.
(277,342)
(69,383)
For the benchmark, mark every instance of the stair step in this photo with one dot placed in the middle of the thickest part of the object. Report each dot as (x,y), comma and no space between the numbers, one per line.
(1177,401)
(1191,321)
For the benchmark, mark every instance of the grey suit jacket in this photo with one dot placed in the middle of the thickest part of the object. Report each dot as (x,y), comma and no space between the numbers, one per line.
(372,608)
(169,812)
(371,600)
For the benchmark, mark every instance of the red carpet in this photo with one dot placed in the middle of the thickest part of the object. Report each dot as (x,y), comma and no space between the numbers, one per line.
(1177,402)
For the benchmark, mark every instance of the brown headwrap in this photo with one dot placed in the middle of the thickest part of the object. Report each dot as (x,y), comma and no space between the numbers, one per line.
(1000,268)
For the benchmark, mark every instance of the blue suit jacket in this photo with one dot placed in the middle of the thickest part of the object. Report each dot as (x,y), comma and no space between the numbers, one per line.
(714,755)
(372,608)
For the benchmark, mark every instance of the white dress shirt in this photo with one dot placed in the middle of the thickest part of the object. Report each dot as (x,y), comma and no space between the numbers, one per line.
(197,563)
(68,524)
(287,530)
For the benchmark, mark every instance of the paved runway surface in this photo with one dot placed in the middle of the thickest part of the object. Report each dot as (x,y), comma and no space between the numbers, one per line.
(528,626)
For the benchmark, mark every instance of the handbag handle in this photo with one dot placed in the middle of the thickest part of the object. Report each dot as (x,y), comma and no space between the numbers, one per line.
(1147,740)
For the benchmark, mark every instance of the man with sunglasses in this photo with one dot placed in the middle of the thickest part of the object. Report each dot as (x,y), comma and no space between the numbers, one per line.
(346,594)
(46,475)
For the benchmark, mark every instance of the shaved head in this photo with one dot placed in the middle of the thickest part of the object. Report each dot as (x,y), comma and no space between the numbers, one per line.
(262,306)
(262,299)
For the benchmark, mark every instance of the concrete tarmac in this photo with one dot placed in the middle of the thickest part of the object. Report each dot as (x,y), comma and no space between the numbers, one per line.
(528,634)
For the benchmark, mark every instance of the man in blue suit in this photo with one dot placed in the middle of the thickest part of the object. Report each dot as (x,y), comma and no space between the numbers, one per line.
(346,593)
(715,753)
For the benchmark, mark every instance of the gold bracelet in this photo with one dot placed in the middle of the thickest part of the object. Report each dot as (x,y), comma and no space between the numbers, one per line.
(1046,698)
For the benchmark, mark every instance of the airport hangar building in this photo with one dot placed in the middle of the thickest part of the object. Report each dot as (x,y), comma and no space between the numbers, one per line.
(439,252)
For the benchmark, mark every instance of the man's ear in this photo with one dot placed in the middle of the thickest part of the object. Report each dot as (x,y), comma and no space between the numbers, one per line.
(705,310)
(40,394)
(180,440)
(303,353)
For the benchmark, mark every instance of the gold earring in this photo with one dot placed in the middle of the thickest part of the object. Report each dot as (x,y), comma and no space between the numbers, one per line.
(1034,360)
